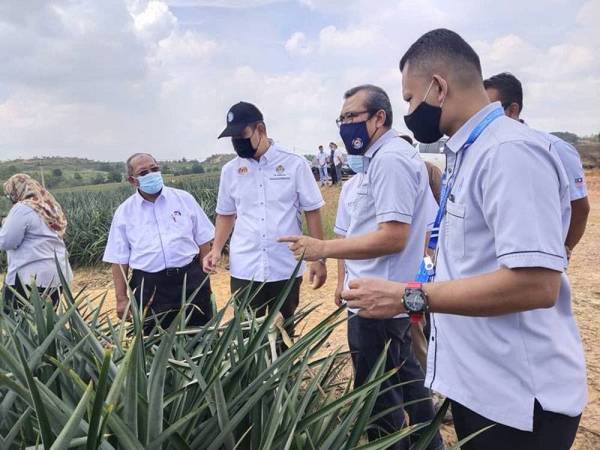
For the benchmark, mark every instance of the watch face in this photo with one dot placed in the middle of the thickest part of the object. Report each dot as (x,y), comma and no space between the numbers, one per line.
(413,300)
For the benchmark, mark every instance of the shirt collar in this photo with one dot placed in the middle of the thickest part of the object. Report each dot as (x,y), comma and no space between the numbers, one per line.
(456,142)
(141,199)
(385,137)
(266,156)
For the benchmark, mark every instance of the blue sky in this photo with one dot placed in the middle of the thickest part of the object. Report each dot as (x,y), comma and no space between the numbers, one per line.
(105,79)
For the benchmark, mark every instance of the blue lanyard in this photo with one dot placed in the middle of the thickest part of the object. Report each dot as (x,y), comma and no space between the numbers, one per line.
(427,269)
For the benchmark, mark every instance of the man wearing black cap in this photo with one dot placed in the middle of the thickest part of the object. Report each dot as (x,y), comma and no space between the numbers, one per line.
(262,193)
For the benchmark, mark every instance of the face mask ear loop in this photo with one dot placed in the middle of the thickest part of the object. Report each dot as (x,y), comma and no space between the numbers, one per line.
(428,89)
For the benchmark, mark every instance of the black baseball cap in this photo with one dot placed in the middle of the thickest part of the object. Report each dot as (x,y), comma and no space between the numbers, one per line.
(239,117)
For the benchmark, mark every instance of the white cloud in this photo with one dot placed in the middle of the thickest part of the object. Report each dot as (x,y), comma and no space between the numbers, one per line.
(297,44)
(223,3)
(102,79)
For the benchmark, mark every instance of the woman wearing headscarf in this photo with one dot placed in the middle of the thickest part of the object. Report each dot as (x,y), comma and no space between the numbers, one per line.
(32,234)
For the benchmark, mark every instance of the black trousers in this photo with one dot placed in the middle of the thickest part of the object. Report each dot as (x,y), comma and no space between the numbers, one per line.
(551,431)
(162,291)
(367,339)
(10,297)
(268,294)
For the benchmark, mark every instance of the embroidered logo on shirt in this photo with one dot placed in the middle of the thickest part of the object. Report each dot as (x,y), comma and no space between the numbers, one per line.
(280,170)
(175,214)
(357,143)
(243,170)
(230,117)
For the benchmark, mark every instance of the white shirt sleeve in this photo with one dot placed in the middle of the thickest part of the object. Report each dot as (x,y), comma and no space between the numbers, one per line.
(117,247)
(521,199)
(225,201)
(15,225)
(573,167)
(309,195)
(395,187)
(203,229)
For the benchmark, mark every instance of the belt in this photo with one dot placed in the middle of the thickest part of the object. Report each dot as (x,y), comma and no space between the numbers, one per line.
(175,271)
(171,271)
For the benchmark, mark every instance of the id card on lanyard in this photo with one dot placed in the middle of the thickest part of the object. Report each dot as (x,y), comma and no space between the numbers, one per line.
(427,269)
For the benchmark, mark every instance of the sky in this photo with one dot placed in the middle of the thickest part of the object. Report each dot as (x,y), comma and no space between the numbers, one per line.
(104,79)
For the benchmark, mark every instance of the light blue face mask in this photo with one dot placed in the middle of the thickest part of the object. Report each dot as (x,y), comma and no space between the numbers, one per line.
(151,183)
(356,163)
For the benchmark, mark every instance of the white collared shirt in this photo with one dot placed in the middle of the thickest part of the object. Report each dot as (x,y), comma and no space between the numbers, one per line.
(30,246)
(321,157)
(394,188)
(153,236)
(510,207)
(268,197)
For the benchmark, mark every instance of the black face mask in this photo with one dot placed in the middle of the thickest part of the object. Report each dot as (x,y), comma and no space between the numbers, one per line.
(243,147)
(424,121)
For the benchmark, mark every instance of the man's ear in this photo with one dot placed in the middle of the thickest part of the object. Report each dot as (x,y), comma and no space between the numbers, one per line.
(513,111)
(133,181)
(440,88)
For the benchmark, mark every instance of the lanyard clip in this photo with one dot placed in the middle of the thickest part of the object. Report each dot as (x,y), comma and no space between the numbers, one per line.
(429,266)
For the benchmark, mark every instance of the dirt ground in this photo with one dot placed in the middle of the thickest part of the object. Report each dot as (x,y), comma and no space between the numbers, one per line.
(583,272)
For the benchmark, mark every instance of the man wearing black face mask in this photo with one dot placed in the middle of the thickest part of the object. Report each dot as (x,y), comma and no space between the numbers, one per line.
(383,214)
(504,346)
(262,194)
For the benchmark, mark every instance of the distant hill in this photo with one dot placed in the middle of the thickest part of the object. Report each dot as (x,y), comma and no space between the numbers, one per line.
(65,172)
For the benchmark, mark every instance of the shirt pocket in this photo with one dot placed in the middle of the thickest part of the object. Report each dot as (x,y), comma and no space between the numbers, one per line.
(359,206)
(455,228)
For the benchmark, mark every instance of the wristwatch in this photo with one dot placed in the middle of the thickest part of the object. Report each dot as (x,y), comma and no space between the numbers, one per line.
(415,301)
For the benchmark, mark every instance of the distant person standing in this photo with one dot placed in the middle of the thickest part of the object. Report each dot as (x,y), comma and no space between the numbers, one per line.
(161,233)
(32,236)
(507,89)
(321,158)
(337,161)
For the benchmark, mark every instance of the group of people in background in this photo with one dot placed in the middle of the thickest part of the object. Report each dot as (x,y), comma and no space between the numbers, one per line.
(481,252)
(329,165)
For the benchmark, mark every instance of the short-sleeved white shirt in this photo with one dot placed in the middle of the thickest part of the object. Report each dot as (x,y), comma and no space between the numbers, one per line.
(268,197)
(155,236)
(510,207)
(394,188)
(569,156)
(321,157)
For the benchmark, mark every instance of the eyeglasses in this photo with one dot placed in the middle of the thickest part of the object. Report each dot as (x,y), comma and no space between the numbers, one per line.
(147,171)
(349,117)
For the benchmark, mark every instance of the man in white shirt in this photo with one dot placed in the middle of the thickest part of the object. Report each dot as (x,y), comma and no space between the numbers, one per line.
(162,234)
(507,89)
(504,346)
(336,161)
(383,214)
(262,194)
(321,158)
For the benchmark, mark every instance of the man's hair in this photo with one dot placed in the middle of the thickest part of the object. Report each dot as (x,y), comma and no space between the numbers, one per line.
(333,143)
(442,47)
(131,158)
(509,89)
(377,99)
(320,146)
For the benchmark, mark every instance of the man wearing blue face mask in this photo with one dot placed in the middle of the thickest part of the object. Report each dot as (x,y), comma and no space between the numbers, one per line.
(162,234)
(383,214)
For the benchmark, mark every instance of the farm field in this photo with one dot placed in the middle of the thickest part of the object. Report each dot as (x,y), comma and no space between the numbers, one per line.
(583,273)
